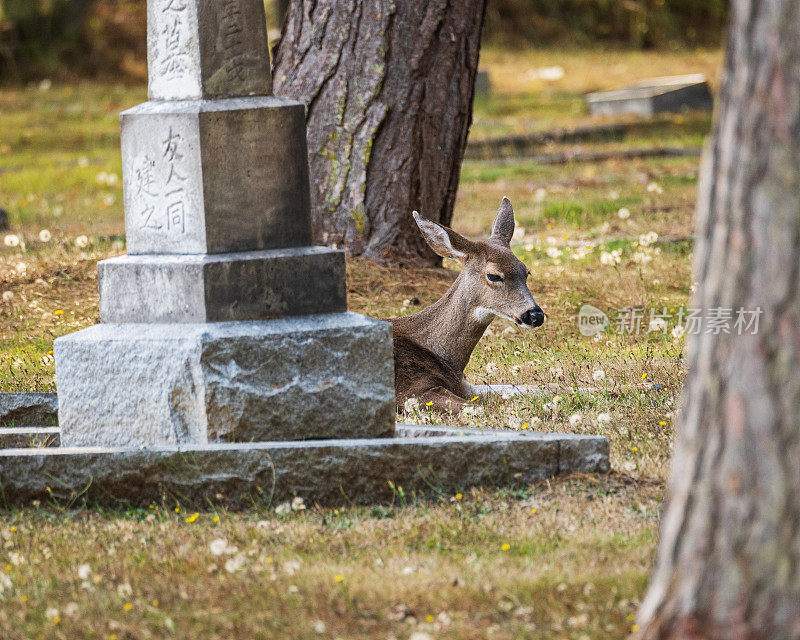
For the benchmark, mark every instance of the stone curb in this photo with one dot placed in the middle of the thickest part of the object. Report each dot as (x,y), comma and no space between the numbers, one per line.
(320,471)
(23,437)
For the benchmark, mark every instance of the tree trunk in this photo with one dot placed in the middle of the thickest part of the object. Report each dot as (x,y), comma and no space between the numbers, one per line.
(389,89)
(728,564)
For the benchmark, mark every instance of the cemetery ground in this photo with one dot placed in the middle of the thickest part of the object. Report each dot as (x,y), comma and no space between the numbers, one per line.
(565,558)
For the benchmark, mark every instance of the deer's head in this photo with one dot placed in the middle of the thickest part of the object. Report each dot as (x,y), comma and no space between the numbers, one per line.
(493,278)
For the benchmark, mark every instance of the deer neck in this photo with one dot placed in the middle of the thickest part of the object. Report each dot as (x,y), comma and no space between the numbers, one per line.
(452,327)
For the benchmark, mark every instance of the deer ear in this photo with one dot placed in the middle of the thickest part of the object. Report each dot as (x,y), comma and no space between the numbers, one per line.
(445,242)
(504,223)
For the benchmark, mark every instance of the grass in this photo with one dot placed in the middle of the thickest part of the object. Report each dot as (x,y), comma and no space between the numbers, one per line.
(567,558)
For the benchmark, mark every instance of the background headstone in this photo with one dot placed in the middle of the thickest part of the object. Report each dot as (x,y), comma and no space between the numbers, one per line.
(671,94)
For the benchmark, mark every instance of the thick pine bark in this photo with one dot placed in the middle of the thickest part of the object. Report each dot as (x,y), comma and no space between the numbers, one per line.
(728,564)
(389,89)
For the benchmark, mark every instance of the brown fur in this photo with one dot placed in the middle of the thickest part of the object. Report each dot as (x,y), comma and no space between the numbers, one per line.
(432,347)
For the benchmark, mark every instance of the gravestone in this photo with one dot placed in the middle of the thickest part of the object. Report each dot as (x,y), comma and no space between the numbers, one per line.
(671,94)
(226,368)
(221,323)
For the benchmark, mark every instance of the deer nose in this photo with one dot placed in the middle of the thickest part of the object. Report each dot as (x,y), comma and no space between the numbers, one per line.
(533,317)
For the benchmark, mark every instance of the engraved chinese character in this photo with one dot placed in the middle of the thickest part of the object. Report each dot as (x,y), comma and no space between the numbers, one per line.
(176,217)
(173,156)
(149,222)
(174,5)
(175,63)
(145,177)
(171,152)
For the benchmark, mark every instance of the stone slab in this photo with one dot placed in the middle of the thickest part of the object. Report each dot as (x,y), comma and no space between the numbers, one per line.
(671,94)
(207,49)
(319,376)
(321,472)
(215,176)
(256,285)
(28,409)
(21,437)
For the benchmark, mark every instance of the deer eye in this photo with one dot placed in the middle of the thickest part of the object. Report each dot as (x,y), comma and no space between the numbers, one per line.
(493,277)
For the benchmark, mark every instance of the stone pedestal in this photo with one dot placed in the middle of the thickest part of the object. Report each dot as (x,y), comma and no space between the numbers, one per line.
(326,376)
(221,324)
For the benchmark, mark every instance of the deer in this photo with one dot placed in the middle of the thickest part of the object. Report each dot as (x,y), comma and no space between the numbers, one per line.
(432,347)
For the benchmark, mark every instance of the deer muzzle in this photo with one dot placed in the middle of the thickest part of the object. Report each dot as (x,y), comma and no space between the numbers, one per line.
(533,317)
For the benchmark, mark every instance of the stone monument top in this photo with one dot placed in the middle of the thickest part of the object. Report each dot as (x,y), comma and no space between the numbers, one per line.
(205,49)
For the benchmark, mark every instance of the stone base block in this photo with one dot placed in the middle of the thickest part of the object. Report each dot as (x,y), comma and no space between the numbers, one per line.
(215,176)
(256,285)
(420,459)
(28,409)
(672,94)
(135,385)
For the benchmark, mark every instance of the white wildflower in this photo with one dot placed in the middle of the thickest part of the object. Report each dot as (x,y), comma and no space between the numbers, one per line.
(519,233)
(283,508)
(16,558)
(611,257)
(51,613)
(603,418)
(411,405)
(84,571)
(540,195)
(11,240)
(8,296)
(5,582)
(554,252)
(556,372)
(298,504)
(45,235)
(516,369)
(319,627)
(220,546)
(575,420)
(678,331)
(646,239)
(657,324)
(623,214)
(491,368)
(654,187)
(640,257)
(232,565)
(598,375)
(81,242)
